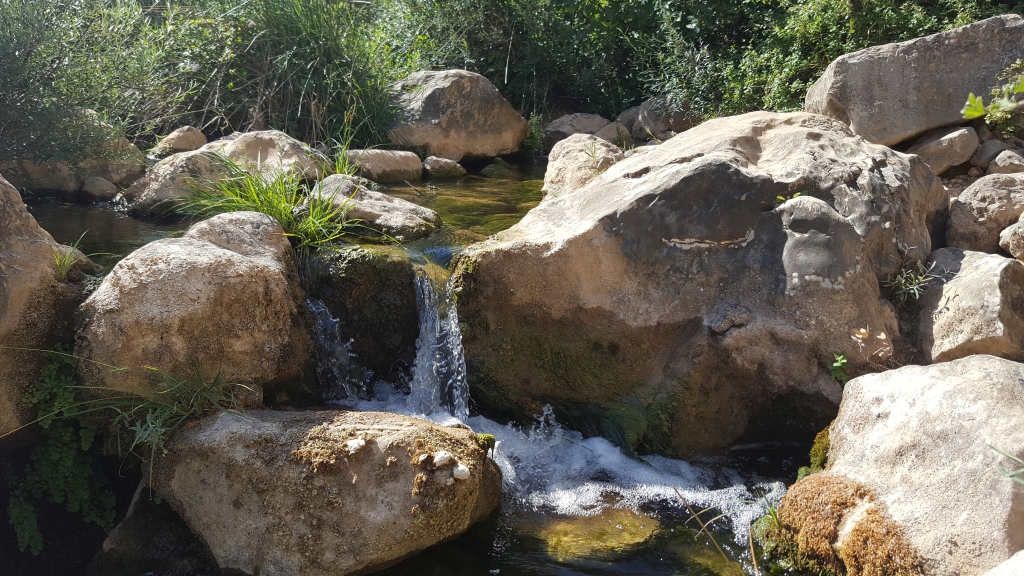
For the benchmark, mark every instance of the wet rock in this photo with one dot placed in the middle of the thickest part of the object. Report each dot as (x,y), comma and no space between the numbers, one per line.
(975,306)
(184,139)
(386,165)
(495,171)
(570,124)
(96,189)
(443,168)
(118,161)
(576,161)
(152,539)
(987,152)
(657,116)
(617,134)
(281,493)
(673,299)
(456,114)
(892,92)
(904,441)
(392,216)
(223,298)
(1008,162)
(172,179)
(946,148)
(36,307)
(983,210)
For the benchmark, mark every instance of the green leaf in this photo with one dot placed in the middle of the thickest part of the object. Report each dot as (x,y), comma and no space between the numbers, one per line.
(975,108)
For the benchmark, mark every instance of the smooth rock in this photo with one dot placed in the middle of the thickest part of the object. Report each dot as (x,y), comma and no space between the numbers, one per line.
(570,124)
(905,442)
(673,300)
(386,165)
(892,92)
(577,160)
(184,139)
(36,307)
(392,216)
(280,494)
(1011,239)
(96,189)
(223,298)
(617,134)
(1008,162)
(1012,567)
(443,168)
(946,148)
(456,114)
(975,306)
(983,210)
(987,152)
(657,116)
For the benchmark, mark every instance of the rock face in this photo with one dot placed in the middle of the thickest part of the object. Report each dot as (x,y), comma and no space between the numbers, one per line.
(36,307)
(392,216)
(456,114)
(983,210)
(666,303)
(172,178)
(570,124)
(892,92)
(386,165)
(1008,162)
(577,160)
(324,493)
(946,148)
(224,296)
(617,134)
(184,139)
(120,162)
(975,307)
(443,168)
(904,441)
(1011,239)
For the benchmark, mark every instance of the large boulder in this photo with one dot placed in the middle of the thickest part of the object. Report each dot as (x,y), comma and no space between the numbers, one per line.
(269,151)
(577,160)
(984,210)
(975,306)
(184,139)
(386,165)
(117,161)
(892,92)
(946,148)
(565,126)
(324,493)
(904,444)
(224,298)
(456,114)
(36,306)
(617,134)
(676,304)
(377,210)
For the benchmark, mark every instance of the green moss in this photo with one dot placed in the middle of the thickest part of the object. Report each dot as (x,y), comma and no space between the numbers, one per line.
(486,442)
(819,455)
(780,553)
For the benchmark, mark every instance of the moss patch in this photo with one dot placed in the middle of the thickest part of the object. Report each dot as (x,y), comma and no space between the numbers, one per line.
(819,455)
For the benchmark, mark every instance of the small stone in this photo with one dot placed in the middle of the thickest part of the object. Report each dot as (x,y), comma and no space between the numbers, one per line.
(1008,162)
(443,168)
(443,458)
(461,472)
(355,445)
(386,165)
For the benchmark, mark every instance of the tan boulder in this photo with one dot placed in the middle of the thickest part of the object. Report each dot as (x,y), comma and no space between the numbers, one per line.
(655,117)
(456,114)
(617,134)
(96,189)
(386,165)
(672,300)
(324,493)
(983,210)
(892,92)
(570,124)
(443,168)
(975,306)
(1007,162)
(392,216)
(1011,239)
(946,148)
(903,443)
(223,298)
(184,139)
(118,161)
(577,160)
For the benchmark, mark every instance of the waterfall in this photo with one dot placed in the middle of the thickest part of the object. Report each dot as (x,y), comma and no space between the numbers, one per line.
(340,377)
(439,374)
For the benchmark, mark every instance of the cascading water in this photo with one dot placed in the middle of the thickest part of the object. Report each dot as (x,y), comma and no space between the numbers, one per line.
(340,378)
(439,374)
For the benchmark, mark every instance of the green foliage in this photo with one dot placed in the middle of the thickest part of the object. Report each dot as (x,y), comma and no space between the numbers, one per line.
(1002,112)
(534,143)
(839,368)
(310,221)
(65,259)
(63,468)
(910,281)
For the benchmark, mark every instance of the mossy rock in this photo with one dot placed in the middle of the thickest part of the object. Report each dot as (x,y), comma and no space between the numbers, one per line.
(819,455)
(370,289)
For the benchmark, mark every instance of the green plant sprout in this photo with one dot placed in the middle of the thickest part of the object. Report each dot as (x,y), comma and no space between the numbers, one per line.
(1007,101)
(839,369)
(782,199)
(65,260)
(910,281)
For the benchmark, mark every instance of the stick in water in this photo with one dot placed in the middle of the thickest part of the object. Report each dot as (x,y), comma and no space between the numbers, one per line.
(702,526)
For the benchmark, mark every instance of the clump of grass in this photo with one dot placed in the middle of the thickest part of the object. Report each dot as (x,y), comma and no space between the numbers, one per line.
(310,221)
(65,259)
(910,281)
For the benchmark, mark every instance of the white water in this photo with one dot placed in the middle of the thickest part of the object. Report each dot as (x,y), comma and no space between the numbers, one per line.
(547,467)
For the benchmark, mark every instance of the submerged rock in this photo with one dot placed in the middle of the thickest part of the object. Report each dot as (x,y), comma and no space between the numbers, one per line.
(386,165)
(674,304)
(456,114)
(281,493)
(892,92)
(576,161)
(975,306)
(392,216)
(913,485)
(36,306)
(223,298)
(982,211)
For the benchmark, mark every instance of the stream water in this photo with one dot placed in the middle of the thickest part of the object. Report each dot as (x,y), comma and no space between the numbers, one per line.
(572,505)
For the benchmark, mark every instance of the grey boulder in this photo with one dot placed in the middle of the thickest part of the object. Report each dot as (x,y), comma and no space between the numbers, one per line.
(379,211)
(946,148)
(983,210)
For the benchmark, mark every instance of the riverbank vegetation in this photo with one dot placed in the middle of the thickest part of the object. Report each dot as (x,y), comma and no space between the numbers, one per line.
(304,66)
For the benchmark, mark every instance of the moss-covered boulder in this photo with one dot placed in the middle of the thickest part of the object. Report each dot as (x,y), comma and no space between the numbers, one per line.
(370,290)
